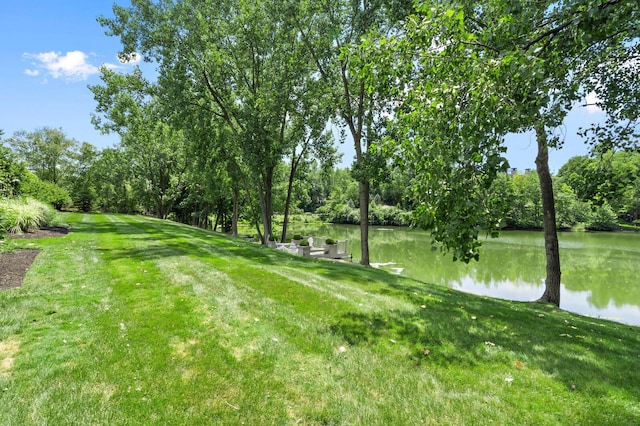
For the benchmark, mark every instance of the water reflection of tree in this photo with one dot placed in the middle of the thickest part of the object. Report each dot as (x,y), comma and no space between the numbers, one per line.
(603,264)
(610,276)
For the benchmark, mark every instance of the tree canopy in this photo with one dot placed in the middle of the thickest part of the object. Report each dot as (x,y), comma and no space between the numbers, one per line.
(466,74)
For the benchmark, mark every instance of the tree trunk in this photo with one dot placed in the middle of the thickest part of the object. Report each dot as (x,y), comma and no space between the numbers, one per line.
(364,222)
(552,280)
(264,188)
(236,213)
(287,203)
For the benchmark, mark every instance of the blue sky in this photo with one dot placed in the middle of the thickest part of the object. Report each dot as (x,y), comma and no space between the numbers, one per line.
(51,51)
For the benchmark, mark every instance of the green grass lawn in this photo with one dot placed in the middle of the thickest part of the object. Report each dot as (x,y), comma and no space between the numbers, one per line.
(135,321)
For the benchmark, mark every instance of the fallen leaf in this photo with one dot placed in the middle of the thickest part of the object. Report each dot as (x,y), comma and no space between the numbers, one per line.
(473,318)
(426,351)
(519,365)
(489,343)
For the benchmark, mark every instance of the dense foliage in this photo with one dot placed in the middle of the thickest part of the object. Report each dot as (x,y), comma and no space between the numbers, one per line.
(598,193)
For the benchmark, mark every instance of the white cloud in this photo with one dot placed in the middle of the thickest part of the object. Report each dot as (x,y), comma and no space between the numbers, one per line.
(109,66)
(591,102)
(72,66)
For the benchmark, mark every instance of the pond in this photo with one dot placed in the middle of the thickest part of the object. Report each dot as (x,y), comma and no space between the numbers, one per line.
(600,271)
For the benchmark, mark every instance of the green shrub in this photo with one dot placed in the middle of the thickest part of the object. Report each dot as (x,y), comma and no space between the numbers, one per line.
(12,172)
(304,243)
(329,241)
(297,237)
(602,218)
(46,192)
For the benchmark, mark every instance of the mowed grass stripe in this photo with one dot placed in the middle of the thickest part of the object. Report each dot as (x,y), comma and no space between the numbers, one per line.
(297,350)
(170,319)
(318,275)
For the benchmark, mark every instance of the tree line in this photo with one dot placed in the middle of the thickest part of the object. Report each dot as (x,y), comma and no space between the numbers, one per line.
(593,192)
(245,92)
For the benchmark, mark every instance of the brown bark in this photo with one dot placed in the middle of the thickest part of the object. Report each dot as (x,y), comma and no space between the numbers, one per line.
(287,204)
(364,222)
(236,213)
(264,190)
(295,161)
(552,281)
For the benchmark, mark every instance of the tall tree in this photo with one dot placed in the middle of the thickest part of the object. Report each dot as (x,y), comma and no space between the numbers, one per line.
(114,172)
(237,60)
(81,180)
(308,136)
(127,105)
(332,31)
(48,152)
(470,73)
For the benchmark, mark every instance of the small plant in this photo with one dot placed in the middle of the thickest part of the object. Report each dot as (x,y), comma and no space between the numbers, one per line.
(329,241)
(304,243)
(272,238)
(297,237)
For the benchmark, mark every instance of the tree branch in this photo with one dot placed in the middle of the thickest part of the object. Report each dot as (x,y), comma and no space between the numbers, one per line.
(218,100)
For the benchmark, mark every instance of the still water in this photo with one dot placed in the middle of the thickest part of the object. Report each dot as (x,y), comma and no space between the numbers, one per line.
(600,271)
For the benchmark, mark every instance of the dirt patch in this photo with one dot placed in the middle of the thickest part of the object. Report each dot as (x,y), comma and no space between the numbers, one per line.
(14,265)
(46,232)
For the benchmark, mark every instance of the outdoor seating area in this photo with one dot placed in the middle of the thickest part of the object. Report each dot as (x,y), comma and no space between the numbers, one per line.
(319,247)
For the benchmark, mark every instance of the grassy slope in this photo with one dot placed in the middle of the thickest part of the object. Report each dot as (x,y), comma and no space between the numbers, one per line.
(130,320)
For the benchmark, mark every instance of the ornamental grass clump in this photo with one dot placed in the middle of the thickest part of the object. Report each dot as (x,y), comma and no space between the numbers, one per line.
(22,215)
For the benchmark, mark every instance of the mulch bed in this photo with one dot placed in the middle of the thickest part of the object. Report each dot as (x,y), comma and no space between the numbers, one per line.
(44,232)
(14,265)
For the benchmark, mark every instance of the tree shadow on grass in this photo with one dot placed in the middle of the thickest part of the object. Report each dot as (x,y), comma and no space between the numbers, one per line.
(174,239)
(453,328)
